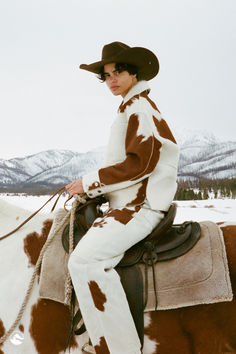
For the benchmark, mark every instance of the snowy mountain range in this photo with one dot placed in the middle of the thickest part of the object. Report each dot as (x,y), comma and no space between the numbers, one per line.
(202,155)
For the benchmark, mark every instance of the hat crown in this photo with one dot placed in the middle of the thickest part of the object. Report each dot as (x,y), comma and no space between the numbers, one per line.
(112,49)
(118,52)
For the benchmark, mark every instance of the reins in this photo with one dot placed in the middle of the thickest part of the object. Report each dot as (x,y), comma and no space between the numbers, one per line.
(68,288)
(59,191)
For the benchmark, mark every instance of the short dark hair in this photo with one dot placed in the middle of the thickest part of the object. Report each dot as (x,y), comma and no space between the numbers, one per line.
(132,70)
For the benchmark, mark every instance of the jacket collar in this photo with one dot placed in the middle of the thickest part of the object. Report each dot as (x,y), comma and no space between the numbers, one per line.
(137,89)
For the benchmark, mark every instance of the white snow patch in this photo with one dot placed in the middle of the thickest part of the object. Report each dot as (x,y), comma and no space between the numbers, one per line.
(216,210)
(211,209)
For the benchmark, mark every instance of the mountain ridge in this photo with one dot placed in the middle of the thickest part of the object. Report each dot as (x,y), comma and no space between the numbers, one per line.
(201,156)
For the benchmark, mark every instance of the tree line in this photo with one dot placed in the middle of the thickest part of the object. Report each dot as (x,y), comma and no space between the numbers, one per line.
(206,188)
(188,189)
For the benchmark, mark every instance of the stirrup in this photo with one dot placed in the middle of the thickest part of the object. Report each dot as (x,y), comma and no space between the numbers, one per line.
(87,348)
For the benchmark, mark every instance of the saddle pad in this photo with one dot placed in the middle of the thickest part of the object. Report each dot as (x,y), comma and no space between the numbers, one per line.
(54,265)
(201,276)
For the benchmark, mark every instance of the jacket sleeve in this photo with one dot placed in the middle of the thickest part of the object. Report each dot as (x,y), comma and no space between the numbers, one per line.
(142,154)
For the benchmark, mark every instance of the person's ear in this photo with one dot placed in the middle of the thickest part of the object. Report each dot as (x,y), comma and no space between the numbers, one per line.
(134,78)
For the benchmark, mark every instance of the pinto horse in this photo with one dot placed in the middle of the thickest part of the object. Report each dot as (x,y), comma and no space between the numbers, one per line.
(44,327)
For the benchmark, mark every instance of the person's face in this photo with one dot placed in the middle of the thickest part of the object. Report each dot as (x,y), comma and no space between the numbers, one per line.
(118,83)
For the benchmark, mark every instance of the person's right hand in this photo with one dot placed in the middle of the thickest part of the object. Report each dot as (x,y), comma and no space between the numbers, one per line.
(75,187)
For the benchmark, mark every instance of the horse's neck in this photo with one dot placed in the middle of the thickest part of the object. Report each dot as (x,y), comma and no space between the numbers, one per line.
(7,208)
(11,216)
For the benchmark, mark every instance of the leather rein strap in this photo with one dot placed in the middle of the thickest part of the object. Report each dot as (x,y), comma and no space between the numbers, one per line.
(59,191)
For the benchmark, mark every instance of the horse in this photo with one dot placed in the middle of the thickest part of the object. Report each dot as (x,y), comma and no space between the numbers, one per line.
(45,324)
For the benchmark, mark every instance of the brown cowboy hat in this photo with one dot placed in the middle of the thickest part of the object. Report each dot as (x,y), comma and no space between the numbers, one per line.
(117,52)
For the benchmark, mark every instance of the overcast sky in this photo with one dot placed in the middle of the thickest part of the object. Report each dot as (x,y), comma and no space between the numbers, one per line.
(47,102)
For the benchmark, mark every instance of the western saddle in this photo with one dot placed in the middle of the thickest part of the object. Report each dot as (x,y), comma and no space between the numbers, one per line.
(165,242)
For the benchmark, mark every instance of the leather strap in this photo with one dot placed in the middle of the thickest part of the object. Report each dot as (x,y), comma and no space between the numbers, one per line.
(59,191)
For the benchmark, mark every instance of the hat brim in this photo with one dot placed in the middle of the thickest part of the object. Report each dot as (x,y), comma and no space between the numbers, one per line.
(145,60)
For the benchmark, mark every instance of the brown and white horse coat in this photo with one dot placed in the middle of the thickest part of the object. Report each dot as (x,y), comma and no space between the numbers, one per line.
(45,324)
(199,329)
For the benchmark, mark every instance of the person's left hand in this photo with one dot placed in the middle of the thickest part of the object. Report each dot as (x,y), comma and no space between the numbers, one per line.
(75,187)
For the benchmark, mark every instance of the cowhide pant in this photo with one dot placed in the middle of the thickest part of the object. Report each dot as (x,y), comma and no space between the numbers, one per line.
(100,295)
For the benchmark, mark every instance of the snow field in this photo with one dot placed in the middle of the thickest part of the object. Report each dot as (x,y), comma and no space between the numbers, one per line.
(197,210)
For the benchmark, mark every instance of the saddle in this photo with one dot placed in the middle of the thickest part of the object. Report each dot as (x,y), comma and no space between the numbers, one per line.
(165,242)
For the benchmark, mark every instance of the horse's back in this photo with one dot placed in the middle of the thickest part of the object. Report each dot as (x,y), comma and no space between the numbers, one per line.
(201,329)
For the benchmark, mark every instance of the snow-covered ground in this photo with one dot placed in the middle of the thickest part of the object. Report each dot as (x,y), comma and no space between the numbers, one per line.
(200,210)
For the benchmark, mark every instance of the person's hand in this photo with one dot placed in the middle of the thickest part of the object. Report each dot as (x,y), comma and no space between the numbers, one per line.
(75,187)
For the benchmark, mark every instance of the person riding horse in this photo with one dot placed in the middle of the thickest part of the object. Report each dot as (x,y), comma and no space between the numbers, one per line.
(139,181)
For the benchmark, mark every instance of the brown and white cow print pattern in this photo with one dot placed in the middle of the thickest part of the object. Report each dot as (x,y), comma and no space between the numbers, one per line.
(33,242)
(122,215)
(49,320)
(141,144)
(2,332)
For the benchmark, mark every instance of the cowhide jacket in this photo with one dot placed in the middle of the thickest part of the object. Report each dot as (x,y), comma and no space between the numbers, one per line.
(141,159)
